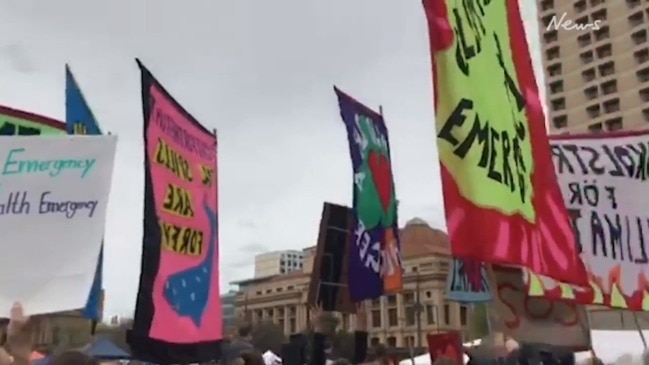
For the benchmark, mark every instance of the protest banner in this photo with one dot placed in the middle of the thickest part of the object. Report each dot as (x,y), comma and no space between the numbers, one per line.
(467,282)
(80,120)
(14,122)
(53,197)
(445,345)
(603,179)
(503,204)
(375,259)
(178,313)
(535,320)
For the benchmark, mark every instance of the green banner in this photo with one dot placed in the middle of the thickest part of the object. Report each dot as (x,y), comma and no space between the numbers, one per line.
(19,123)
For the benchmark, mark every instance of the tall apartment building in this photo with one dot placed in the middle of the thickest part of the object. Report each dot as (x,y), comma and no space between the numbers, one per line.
(597,77)
(278,262)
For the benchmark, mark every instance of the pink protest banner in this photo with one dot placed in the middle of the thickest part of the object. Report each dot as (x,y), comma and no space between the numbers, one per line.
(178,314)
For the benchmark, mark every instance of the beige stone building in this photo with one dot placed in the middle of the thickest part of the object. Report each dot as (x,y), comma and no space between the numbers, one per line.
(391,320)
(597,77)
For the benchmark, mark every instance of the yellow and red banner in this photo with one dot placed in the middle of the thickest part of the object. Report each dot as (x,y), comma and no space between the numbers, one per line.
(503,204)
(603,179)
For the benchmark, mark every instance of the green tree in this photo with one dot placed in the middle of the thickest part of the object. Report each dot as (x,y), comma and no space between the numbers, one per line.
(479,320)
(268,336)
(343,344)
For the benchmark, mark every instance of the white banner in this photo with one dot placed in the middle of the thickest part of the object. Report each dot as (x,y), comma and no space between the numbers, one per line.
(53,197)
(535,320)
(605,184)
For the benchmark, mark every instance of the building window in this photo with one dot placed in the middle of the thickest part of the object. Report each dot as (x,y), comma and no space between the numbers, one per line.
(584,40)
(606,69)
(376,318)
(639,37)
(556,86)
(554,70)
(609,87)
(599,15)
(551,36)
(410,315)
(408,298)
(580,6)
(595,128)
(612,106)
(596,2)
(641,56)
(431,313)
(393,317)
(374,341)
(593,111)
(586,57)
(644,94)
(409,341)
(604,51)
(553,53)
(290,287)
(614,124)
(464,316)
(376,303)
(547,5)
(643,75)
(392,341)
(645,113)
(292,325)
(588,75)
(558,104)
(447,314)
(602,33)
(591,92)
(392,300)
(631,4)
(560,121)
(636,18)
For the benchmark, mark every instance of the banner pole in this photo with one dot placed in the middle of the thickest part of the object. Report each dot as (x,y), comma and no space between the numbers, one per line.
(586,328)
(637,324)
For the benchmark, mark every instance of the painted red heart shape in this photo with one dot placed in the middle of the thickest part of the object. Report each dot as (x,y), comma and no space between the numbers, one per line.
(382,176)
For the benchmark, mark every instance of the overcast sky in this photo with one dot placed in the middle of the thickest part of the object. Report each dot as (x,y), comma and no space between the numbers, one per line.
(261,72)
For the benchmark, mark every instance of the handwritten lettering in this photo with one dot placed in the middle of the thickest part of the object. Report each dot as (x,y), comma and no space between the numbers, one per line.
(13,165)
(622,161)
(65,207)
(173,161)
(181,137)
(182,240)
(525,308)
(178,201)
(15,204)
(567,24)
(501,153)
(207,175)
(369,248)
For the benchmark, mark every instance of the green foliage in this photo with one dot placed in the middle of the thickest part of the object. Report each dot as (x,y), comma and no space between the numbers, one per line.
(343,345)
(479,321)
(268,336)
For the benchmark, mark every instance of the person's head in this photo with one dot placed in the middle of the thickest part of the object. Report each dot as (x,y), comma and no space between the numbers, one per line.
(245,332)
(341,362)
(252,357)
(73,358)
(381,353)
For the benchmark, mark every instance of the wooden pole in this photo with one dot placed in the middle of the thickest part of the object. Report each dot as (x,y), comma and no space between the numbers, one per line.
(637,324)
